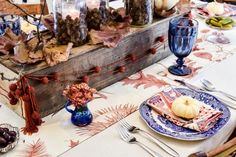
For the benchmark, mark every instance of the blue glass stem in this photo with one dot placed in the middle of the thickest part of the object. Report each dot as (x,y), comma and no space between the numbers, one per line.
(180,62)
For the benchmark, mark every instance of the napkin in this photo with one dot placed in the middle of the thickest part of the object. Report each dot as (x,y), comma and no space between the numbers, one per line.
(230,10)
(161,103)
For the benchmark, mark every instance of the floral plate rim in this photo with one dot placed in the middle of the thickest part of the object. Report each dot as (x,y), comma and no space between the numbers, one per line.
(187,134)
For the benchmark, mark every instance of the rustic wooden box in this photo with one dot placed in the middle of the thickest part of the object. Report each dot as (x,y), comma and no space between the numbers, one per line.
(141,41)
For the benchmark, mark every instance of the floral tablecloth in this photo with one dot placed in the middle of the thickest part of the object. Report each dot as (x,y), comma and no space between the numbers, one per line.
(58,137)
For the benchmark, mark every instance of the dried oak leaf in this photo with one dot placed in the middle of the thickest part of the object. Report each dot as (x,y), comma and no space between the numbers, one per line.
(55,54)
(24,53)
(8,41)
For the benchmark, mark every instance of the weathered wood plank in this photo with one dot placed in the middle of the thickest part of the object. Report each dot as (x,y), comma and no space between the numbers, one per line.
(8,8)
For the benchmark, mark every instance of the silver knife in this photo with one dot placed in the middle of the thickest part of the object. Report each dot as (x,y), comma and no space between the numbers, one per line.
(190,86)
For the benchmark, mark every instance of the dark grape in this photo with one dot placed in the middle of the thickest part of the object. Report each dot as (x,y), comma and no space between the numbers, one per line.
(9,142)
(12,133)
(5,129)
(6,136)
(12,139)
(3,142)
(1,131)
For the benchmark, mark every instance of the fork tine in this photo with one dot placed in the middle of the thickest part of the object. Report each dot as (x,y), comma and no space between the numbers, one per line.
(126,133)
(122,133)
(125,124)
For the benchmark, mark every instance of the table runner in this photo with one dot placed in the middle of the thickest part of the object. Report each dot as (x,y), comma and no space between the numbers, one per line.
(57,135)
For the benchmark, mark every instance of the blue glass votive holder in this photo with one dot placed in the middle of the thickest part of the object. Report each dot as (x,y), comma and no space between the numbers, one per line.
(10,21)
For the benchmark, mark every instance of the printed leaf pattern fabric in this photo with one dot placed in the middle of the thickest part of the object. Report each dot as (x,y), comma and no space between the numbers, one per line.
(146,81)
(36,149)
(109,116)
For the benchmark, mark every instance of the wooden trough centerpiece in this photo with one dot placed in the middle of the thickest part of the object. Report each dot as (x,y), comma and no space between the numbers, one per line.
(95,64)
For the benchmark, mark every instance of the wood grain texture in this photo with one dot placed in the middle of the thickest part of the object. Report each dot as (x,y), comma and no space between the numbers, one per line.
(7,8)
(86,57)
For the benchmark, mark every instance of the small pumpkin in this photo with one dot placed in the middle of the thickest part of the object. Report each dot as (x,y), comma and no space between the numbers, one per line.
(185,107)
(215,8)
(164,7)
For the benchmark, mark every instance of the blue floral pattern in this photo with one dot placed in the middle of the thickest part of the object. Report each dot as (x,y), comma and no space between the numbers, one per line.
(164,127)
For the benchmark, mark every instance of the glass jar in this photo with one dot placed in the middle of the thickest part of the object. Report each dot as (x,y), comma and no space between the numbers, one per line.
(70,21)
(98,13)
(141,11)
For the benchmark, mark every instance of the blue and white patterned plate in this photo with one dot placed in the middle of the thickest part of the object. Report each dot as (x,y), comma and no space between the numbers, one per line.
(164,127)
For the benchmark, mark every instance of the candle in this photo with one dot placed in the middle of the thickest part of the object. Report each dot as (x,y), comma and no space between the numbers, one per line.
(92,4)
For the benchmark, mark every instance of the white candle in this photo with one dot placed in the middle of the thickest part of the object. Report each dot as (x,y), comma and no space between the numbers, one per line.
(91,4)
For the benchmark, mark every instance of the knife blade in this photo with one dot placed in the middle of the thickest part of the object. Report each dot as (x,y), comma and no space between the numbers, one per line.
(190,86)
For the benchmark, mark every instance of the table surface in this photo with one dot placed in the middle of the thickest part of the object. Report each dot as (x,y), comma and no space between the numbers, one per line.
(58,137)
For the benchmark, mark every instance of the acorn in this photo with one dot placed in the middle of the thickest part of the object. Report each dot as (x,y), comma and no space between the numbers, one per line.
(13,87)
(44,80)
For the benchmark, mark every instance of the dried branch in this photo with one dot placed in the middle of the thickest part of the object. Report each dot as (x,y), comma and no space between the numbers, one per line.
(39,21)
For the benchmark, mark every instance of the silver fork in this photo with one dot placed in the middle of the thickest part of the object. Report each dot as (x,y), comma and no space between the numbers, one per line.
(160,143)
(126,136)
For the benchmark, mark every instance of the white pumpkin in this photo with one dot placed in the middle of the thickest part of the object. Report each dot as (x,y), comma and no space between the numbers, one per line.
(215,8)
(185,107)
(165,4)
(162,7)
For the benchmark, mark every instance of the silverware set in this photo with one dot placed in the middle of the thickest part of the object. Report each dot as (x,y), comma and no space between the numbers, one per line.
(126,130)
(207,86)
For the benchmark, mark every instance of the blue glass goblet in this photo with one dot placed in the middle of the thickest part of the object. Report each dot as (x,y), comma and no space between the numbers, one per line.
(182,35)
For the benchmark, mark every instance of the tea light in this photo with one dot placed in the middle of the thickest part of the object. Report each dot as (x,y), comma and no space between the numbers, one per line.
(92,4)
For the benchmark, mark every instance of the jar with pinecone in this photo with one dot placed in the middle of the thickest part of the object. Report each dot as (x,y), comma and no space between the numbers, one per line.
(141,11)
(98,13)
(70,21)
